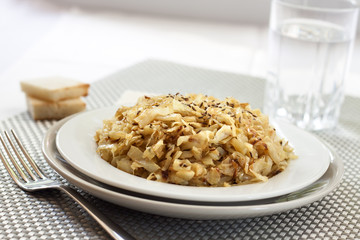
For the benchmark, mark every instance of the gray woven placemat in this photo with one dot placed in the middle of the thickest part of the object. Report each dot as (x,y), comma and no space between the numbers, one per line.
(52,215)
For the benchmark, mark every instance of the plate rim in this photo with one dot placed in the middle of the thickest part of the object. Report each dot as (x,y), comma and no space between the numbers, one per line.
(181,210)
(187,192)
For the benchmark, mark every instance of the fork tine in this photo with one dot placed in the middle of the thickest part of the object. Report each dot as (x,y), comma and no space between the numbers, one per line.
(28,157)
(20,158)
(9,169)
(16,165)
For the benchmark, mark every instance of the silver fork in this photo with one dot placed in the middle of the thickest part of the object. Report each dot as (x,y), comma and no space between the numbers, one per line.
(38,181)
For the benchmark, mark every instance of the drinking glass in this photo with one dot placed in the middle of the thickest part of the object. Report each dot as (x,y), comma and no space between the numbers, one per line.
(310,45)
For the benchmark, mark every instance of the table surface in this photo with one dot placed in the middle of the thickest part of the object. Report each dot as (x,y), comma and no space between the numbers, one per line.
(41,38)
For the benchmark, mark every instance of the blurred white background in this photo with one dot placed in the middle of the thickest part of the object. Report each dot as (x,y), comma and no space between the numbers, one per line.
(243,11)
(90,39)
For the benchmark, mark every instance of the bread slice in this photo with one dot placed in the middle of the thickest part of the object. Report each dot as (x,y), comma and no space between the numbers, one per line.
(43,110)
(54,88)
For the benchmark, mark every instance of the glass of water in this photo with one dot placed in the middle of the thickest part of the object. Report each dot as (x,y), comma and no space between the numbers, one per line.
(310,45)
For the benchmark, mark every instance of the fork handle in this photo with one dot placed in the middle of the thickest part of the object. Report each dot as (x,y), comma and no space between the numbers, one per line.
(114,230)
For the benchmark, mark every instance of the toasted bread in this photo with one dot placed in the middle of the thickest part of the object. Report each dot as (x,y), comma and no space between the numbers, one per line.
(43,110)
(54,89)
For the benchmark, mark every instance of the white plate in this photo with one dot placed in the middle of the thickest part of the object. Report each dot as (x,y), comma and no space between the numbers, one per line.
(188,209)
(75,142)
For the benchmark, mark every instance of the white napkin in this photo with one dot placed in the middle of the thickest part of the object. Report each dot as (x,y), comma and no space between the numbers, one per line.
(130,97)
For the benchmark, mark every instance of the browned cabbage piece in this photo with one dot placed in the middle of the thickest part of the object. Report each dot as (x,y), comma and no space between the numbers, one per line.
(193,140)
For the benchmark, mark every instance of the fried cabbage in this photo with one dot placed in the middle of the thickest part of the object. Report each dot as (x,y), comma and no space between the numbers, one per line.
(194,140)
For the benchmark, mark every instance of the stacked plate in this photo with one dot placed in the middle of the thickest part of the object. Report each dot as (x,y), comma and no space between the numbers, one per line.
(69,148)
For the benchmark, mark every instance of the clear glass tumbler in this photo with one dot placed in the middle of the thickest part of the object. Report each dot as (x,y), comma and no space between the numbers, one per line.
(310,45)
